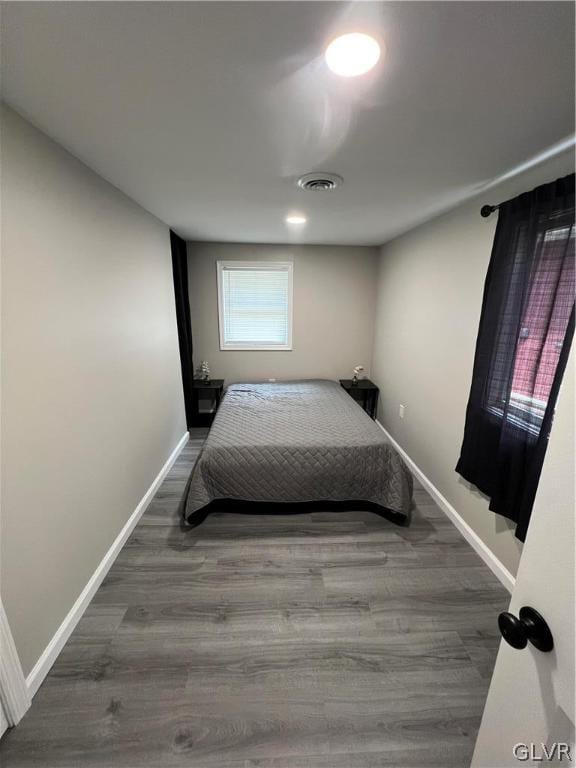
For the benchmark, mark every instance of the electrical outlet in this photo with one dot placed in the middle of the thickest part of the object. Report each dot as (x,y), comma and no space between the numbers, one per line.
(402,411)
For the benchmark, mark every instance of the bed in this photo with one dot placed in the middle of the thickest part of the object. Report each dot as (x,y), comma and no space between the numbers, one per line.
(284,446)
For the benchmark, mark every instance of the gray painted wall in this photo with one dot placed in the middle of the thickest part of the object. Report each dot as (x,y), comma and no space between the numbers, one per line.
(334,302)
(92,400)
(430,287)
(91,388)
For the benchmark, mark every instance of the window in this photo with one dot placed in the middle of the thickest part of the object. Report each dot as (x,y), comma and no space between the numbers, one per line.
(255,305)
(526,328)
(541,334)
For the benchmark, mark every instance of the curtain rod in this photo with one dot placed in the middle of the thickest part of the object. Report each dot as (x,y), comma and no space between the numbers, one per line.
(486,210)
(556,149)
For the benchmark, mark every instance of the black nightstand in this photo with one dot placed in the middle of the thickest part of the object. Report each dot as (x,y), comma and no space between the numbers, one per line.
(206,396)
(365,392)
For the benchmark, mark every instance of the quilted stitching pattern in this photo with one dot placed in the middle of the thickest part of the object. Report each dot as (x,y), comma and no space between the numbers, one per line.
(296,441)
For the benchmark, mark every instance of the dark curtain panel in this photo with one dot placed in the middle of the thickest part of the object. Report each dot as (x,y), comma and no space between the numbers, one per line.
(526,328)
(180,271)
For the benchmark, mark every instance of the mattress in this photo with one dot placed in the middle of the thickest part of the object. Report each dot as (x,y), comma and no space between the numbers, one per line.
(296,441)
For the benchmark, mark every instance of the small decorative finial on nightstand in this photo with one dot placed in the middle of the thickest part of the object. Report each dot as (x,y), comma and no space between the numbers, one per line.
(204,371)
(357,371)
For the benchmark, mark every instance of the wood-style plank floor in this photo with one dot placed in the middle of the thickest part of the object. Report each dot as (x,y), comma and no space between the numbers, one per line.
(325,640)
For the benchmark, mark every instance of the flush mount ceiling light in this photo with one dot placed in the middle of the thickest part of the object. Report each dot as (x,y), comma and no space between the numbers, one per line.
(296,218)
(352,55)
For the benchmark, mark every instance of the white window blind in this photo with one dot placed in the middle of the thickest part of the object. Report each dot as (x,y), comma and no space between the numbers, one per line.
(255,305)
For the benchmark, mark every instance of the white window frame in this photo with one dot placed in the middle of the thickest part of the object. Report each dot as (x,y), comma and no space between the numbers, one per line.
(285,266)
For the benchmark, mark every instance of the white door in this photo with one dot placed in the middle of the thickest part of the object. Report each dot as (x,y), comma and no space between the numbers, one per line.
(531,697)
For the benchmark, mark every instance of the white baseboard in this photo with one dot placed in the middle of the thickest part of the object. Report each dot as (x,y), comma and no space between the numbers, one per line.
(48,657)
(497,568)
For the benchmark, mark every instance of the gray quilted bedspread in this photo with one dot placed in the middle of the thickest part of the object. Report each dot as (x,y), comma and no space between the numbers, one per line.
(296,441)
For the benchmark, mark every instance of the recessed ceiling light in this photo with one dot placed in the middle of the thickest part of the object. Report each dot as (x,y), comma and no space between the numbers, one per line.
(353,54)
(296,219)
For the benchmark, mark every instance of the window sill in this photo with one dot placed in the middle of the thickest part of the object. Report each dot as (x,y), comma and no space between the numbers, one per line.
(244,348)
(515,420)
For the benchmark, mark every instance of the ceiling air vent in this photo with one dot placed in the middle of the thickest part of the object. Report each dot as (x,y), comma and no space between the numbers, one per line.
(320,182)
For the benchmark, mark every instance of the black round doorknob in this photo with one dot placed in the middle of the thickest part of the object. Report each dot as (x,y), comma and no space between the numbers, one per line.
(529,628)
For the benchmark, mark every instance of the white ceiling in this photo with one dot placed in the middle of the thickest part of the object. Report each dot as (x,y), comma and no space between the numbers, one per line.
(205,113)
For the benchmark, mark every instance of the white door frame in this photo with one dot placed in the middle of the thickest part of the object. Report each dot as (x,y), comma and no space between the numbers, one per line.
(14,695)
